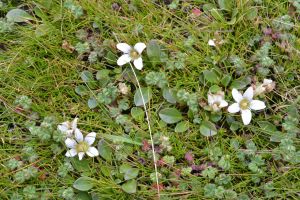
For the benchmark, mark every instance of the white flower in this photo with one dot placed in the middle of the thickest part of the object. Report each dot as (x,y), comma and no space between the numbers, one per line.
(267,86)
(68,128)
(216,101)
(131,54)
(244,104)
(211,42)
(81,146)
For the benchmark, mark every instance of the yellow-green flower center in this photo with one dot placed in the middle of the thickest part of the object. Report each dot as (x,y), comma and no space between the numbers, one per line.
(217,103)
(82,146)
(134,54)
(244,104)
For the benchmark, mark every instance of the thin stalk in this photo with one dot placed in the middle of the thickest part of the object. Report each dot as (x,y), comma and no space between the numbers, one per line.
(150,131)
(149,126)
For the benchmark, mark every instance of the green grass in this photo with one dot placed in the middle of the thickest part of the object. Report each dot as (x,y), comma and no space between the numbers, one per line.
(41,69)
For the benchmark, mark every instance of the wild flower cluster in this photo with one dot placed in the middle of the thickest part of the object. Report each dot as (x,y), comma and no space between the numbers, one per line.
(78,144)
(126,95)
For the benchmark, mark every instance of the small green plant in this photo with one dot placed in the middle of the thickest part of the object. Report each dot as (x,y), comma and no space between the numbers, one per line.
(76,10)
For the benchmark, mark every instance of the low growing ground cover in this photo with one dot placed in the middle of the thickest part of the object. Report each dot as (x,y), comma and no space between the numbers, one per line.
(149,99)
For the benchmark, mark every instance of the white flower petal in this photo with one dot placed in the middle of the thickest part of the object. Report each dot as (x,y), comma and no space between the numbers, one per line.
(138,63)
(139,47)
(62,127)
(211,42)
(236,95)
(234,108)
(123,59)
(257,105)
(246,116)
(74,123)
(218,98)
(90,138)
(267,81)
(92,152)
(210,99)
(71,153)
(70,143)
(78,135)
(125,48)
(249,93)
(223,104)
(80,155)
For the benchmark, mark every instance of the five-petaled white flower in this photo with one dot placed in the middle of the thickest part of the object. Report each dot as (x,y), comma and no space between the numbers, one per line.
(244,104)
(216,101)
(130,54)
(68,128)
(81,146)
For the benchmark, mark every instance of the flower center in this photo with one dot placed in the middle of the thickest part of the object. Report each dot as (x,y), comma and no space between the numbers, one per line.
(82,146)
(217,103)
(134,54)
(216,106)
(244,104)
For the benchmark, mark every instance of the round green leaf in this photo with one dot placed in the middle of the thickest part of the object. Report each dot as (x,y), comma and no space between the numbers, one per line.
(182,127)
(124,168)
(210,76)
(84,183)
(170,115)
(92,103)
(128,171)
(169,95)
(131,173)
(81,90)
(146,93)
(215,117)
(87,76)
(18,15)
(208,129)
(130,186)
